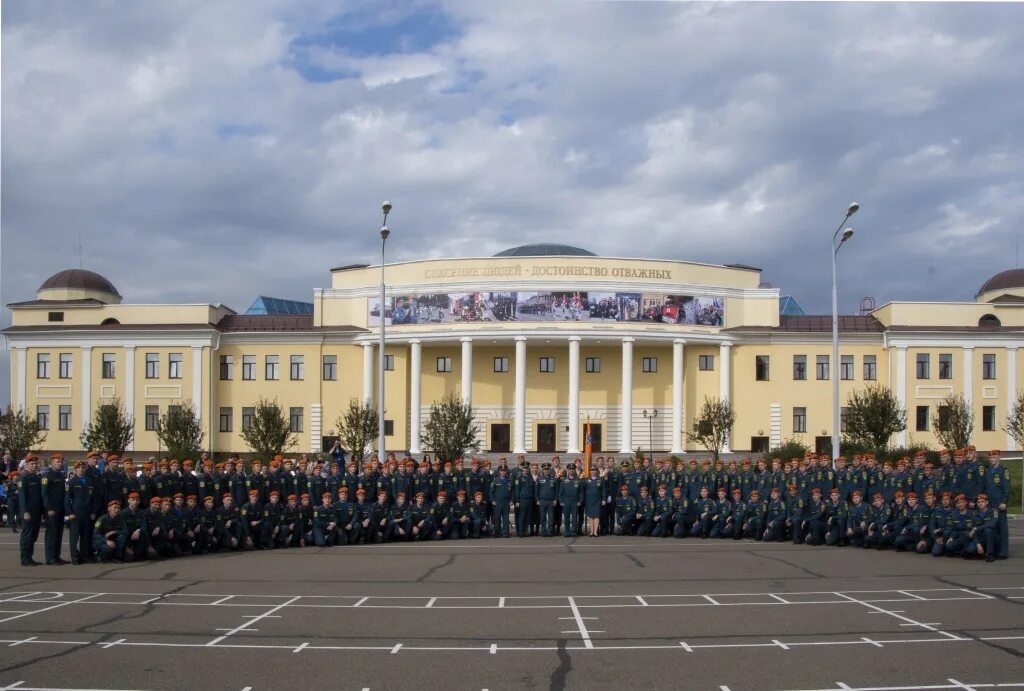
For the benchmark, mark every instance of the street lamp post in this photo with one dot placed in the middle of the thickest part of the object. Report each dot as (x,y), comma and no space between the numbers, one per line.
(649,416)
(384,233)
(837,242)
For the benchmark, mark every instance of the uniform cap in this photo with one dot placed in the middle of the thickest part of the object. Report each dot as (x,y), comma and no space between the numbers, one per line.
(93,454)
(754,493)
(325,494)
(79,464)
(274,493)
(947,494)
(113,502)
(982,495)
(166,500)
(476,494)
(226,495)
(791,486)
(623,487)
(208,499)
(402,494)
(133,495)
(677,490)
(421,494)
(192,497)
(179,494)
(305,495)
(898,494)
(737,490)
(254,493)
(31,458)
(359,491)
(911,495)
(292,497)
(343,490)
(857,493)
(56,457)
(960,497)
(461,493)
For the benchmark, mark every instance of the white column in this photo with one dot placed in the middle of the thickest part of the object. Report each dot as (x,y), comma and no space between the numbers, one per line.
(21,390)
(677,395)
(86,412)
(467,369)
(901,387)
(1011,390)
(725,383)
(416,365)
(316,427)
(627,396)
(519,446)
(969,373)
(367,372)
(129,388)
(574,395)
(197,381)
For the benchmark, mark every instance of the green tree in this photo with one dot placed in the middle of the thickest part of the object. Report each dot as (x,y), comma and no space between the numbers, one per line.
(873,415)
(1015,420)
(357,427)
(449,430)
(180,431)
(270,431)
(790,448)
(713,423)
(20,432)
(110,430)
(954,424)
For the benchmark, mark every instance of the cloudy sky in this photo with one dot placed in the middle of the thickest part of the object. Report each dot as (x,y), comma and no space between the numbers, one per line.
(212,152)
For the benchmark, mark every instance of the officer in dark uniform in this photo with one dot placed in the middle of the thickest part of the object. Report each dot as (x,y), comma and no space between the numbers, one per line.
(501,495)
(525,495)
(52,485)
(30,502)
(569,498)
(78,509)
(997,490)
(547,493)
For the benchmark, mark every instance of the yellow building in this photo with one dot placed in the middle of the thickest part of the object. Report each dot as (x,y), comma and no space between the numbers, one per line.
(543,339)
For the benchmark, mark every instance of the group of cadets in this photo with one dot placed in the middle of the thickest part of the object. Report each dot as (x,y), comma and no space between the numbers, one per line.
(124,513)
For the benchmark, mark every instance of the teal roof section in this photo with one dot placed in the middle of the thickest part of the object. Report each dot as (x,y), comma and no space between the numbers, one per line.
(545,249)
(789,307)
(274,307)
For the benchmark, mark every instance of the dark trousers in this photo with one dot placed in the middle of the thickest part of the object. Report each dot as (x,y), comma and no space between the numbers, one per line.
(570,520)
(1003,548)
(625,526)
(815,533)
(682,525)
(776,530)
(662,526)
(701,527)
(391,532)
(547,517)
(836,534)
(477,526)
(459,530)
(105,551)
(29,535)
(524,516)
(501,526)
(81,537)
(54,536)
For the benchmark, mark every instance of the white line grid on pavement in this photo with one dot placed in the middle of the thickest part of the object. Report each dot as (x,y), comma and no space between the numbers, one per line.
(869,599)
(840,686)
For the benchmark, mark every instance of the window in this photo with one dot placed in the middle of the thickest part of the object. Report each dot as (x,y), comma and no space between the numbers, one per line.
(922,419)
(65,366)
(547,364)
(55,316)
(330,368)
(152,365)
(109,366)
(870,368)
(943,421)
(248,368)
(706,363)
(389,363)
(844,415)
(501,364)
(42,365)
(226,415)
(846,367)
(43,416)
(924,365)
(389,428)
(444,364)
(799,419)
(800,367)
(247,415)
(152,417)
(821,367)
(227,367)
(174,366)
(761,365)
(270,367)
(988,366)
(988,418)
(297,367)
(650,364)
(64,417)
(295,419)
(945,365)
(593,365)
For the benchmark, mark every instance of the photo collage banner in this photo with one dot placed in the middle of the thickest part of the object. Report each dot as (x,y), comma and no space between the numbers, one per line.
(549,306)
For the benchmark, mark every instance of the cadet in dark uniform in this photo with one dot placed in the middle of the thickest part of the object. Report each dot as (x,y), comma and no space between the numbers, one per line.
(570,498)
(478,515)
(459,515)
(78,508)
(775,517)
(30,502)
(53,485)
(525,493)
(997,491)
(501,496)
(625,511)
(593,501)
(547,494)
(983,537)
(399,525)
(108,534)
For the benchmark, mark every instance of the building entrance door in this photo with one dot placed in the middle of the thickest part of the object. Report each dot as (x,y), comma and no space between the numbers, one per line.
(501,438)
(545,438)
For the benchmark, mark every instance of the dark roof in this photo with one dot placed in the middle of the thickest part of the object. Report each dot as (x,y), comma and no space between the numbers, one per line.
(745,267)
(1006,298)
(79,279)
(80,302)
(349,267)
(819,323)
(545,249)
(1011,278)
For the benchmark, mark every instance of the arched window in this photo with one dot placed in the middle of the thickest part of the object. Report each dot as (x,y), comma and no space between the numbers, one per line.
(989,321)
(109,321)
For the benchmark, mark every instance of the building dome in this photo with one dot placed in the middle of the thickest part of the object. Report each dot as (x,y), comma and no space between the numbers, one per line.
(1011,279)
(78,284)
(545,249)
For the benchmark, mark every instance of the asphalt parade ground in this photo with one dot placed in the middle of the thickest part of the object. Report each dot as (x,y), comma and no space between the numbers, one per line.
(584,613)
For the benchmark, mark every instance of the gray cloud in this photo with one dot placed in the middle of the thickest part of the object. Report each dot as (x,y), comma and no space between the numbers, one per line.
(217,152)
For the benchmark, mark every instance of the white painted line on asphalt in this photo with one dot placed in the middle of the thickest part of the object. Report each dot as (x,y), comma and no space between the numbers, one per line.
(874,643)
(898,614)
(933,623)
(112,643)
(246,625)
(431,602)
(780,644)
(27,640)
(300,647)
(222,600)
(916,597)
(685,646)
(579,622)
(18,597)
(501,602)
(47,609)
(711,600)
(361,601)
(494,648)
(398,646)
(724,688)
(781,600)
(960,685)
(642,601)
